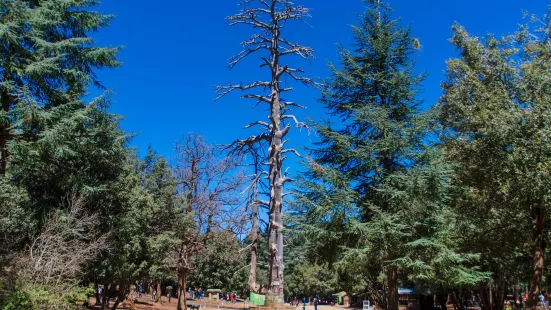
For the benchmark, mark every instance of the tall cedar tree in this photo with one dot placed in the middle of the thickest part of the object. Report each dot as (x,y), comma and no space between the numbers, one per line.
(163,221)
(270,17)
(47,61)
(497,104)
(379,132)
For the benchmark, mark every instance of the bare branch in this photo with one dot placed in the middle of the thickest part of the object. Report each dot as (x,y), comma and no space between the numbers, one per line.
(239,144)
(297,123)
(287,179)
(261,123)
(292,104)
(296,49)
(260,98)
(234,60)
(224,90)
(292,151)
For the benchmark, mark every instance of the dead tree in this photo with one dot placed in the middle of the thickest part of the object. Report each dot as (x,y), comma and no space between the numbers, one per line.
(256,189)
(210,183)
(269,17)
(66,243)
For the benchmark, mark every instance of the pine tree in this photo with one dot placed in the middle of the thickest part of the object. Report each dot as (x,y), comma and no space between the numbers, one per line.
(47,60)
(496,105)
(371,187)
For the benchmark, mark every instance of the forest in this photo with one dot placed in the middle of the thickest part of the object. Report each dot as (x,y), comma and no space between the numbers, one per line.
(450,198)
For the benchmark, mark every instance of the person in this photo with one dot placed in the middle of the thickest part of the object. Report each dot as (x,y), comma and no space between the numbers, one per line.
(315,303)
(100,292)
(508,307)
(169,292)
(154,296)
(542,300)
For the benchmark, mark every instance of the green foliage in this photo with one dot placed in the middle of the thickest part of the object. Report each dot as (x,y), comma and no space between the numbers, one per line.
(18,300)
(376,195)
(311,280)
(220,265)
(44,297)
(450,198)
(496,106)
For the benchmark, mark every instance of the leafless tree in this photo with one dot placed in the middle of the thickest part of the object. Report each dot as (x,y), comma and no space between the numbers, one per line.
(269,17)
(67,243)
(211,184)
(256,190)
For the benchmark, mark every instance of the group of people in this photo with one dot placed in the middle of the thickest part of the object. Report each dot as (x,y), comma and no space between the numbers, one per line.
(315,300)
(521,300)
(196,293)
(231,297)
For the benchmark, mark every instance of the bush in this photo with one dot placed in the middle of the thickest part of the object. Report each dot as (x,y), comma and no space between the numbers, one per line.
(39,298)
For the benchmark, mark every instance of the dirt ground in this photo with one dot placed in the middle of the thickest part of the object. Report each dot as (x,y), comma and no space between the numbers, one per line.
(145,303)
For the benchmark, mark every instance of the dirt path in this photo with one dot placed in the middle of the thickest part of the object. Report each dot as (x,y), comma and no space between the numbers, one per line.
(145,303)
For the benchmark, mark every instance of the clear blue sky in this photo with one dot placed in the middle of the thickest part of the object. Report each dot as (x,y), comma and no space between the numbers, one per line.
(176,51)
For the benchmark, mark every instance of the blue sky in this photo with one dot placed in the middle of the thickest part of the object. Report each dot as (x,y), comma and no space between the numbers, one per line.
(176,51)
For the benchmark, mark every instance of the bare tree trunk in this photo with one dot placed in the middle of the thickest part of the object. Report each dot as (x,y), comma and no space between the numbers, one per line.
(123,290)
(182,303)
(108,291)
(456,300)
(158,288)
(538,241)
(485,296)
(275,248)
(392,291)
(498,293)
(255,203)
(442,299)
(254,248)
(184,279)
(270,18)
(4,134)
(129,300)
(515,292)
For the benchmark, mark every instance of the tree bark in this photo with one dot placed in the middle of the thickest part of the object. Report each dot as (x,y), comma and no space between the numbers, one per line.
(275,248)
(498,294)
(515,293)
(271,18)
(158,288)
(182,278)
(485,296)
(442,299)
(123,289)
(129,300)
(254,248)
(538,242)
(392,291)
(4,134)
(108,291)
